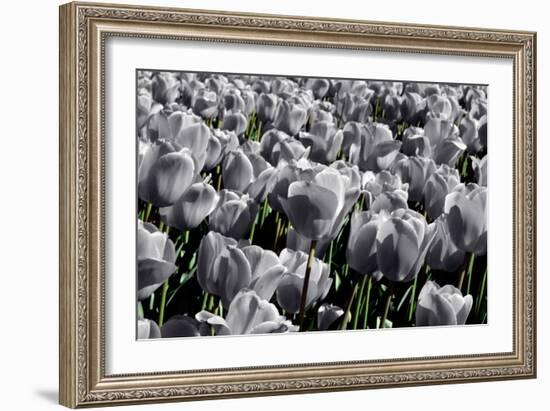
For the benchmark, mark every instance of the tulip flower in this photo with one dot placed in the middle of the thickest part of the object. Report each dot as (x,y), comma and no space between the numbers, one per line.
(412,107)
(248,314)
(328,314)
(233,101)
(319,87)
(147,329)
(266,106)
(156,257)
(206,104)
(297,242)
(415,171)
(415,143)
(443,253)
(437,186)
(312,207)
(283,87)
(146,107)
(376,150)
(248,173)
(220,142)
(261,86)
(480,167)
(382,182)
(390,201)
(447,146)
(234,214)
(466,210)
(289,291)
(237,171)
(361,247)
(324,141)
(289,117)
(235,122)
(442,305)
(216,83)
(352,107)
(470,132)
(444,107)
(183,326)
(165,88)
(198,201)
(289,172)
(164,176)
(269,139)
(288,150)
(224,268)
(402,242)
(321,111)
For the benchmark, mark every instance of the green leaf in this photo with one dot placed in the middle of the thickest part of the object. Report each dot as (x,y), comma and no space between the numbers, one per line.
(404,297)
(337,281)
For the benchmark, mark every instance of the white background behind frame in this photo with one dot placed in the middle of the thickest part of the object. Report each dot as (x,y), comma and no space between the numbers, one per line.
(29,342)
(126,355)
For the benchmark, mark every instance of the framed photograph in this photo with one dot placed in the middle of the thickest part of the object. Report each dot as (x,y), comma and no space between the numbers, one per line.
(258,204)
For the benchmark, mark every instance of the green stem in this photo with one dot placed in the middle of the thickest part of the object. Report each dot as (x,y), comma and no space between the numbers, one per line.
(344,322)
(163,302)
(306,283)
(264,212)
(211,303)
(277,230)
(253,230)
(359,299)
(219,172)
(367,302)
(148,212)
(481,292)
(412,299)
(470,269)
(204,301)
(259,132)
(387,303)
(467,267)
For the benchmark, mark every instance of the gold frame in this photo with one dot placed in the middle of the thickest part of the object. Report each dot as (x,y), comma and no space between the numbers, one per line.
(83,30)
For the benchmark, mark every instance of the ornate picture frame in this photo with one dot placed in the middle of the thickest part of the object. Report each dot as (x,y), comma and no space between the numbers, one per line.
(84,29)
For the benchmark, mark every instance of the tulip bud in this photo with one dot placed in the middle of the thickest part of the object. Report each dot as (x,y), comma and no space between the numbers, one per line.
(191,208)
(248,314)
(402,242)
(165,88)
(361,248)
(147,329)
(437,186)
(235,122)
(447,146)
(312,207)
(182,326)
(206,104)
(234,214)
(237,171)
(415,171)
(442,305)
(164,178)
(266,106)
(466,209)
(480,167)
(289,291)
(443,253)
(156,257)
(289,117)
(328,314)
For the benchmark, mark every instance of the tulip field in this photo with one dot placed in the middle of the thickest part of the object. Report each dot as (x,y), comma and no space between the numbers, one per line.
(289,204)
